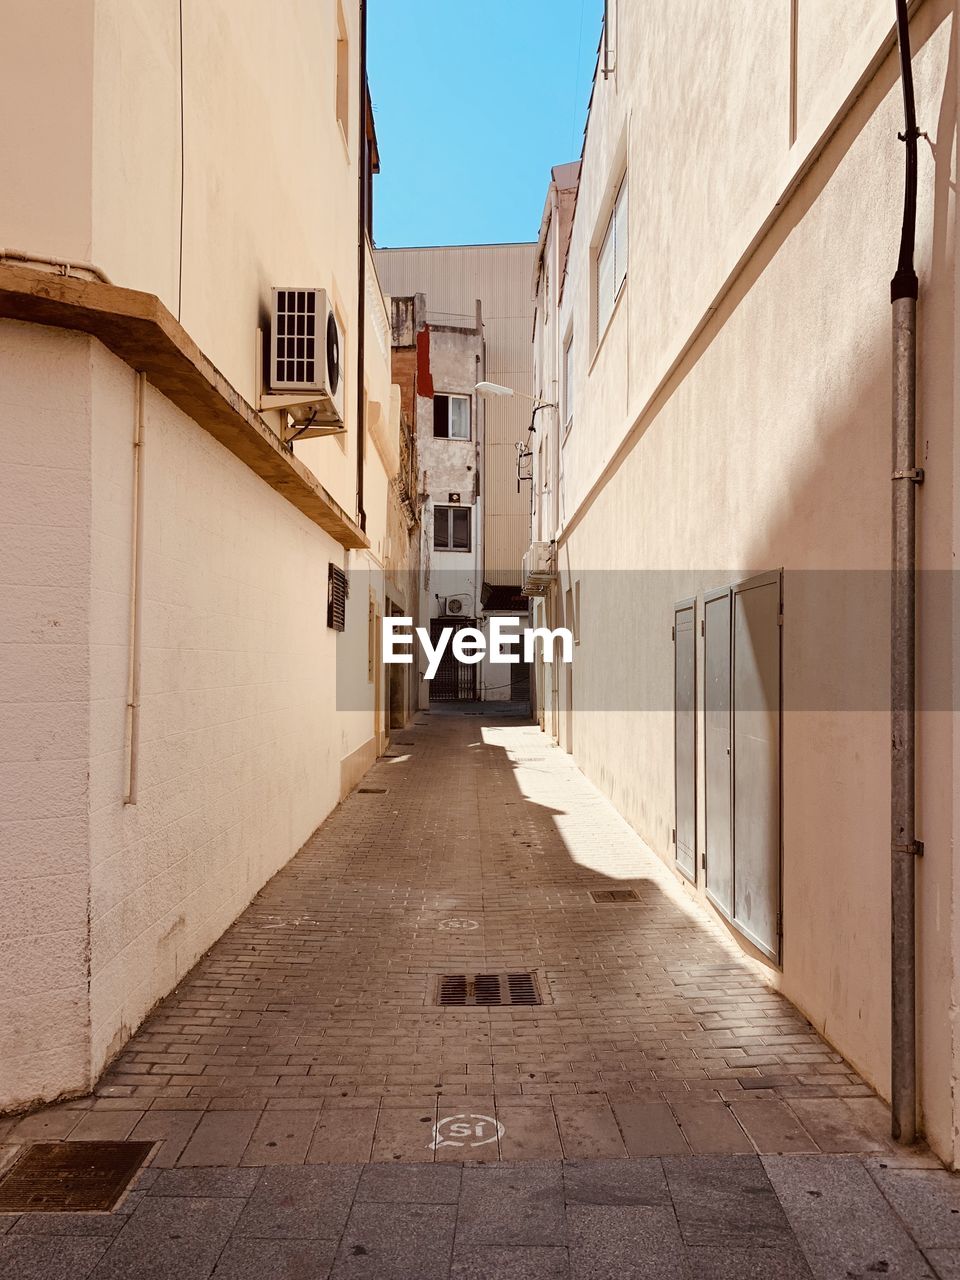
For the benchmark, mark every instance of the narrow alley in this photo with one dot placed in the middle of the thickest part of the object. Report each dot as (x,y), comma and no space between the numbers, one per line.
(660,1112)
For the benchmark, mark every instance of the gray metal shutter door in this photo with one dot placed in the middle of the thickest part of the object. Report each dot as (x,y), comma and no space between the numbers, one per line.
(685,735)
(756,760)
(716,750)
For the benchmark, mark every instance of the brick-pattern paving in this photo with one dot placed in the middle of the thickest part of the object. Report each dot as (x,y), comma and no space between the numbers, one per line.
(307,1035)
(677,1218)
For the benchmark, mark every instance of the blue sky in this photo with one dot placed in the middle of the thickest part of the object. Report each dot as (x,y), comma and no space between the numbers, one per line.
(475,100)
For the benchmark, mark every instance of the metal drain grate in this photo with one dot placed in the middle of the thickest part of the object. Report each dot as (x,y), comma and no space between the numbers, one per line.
(614,895)
(371,791)
(50,1177)
(487,988)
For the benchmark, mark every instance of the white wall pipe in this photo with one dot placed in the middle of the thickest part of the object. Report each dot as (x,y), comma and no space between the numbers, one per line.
(63,267)
(132,723)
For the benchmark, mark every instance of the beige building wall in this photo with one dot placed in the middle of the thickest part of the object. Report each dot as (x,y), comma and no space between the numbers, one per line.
(734,418)
(46,566)
(237,764)
(255,716)
(452,278)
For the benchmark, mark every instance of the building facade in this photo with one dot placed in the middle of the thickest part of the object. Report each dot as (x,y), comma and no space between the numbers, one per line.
(461,315)
(194,577)
(552,355)
(717,336)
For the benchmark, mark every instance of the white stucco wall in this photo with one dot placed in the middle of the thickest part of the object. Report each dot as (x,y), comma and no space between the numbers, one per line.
(766,444)
(241,741)
(190,151)
(45,574)
(239,751)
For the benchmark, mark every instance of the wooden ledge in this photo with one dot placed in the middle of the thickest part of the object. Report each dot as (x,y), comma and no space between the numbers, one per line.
(139,329)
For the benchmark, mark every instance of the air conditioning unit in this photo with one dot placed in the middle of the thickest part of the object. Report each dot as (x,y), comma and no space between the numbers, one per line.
(305,360)
(454,605)
(539,568)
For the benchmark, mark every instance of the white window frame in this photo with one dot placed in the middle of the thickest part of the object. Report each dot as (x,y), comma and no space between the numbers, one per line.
(445,508)
(450,397)
(566,383)
(611,263)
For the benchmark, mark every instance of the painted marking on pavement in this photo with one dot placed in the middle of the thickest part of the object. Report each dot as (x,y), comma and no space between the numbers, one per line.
(465,1131)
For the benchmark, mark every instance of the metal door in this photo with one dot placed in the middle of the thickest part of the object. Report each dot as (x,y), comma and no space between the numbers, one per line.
(718,850)
(520,682)
(455,681)
(755,686)
(685,735)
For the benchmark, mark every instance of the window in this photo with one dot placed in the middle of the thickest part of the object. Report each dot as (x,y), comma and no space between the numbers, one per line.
(343,75)
(451,528)
(451,417)
(567,384)
(337,592)
(611,268)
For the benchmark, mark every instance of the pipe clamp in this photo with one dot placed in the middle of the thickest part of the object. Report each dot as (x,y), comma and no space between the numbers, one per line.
(914,847)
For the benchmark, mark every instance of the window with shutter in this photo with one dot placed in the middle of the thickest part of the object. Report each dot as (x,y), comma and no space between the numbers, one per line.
(611,263)
(567,382)
(337,592)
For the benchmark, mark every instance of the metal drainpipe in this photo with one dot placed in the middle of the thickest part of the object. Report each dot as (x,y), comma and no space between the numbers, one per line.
(361,260)
(904,846)
(132,722)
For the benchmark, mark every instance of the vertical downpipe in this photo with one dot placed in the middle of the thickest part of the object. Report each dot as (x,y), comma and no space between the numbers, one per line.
(904,847)
(132,722)
(362,194)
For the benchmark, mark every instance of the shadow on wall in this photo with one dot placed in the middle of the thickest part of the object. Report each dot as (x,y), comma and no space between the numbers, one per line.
(834,512)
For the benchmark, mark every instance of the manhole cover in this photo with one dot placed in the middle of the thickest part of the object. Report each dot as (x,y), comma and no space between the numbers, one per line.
(487,988)
(371,791)
(50,1177)
(614,895)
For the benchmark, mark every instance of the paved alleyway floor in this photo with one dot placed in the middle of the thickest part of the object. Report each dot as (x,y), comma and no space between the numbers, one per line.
(663,1112)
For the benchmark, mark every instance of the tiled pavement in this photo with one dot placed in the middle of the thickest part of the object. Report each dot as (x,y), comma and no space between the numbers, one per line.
(679,1218)
(307,1040)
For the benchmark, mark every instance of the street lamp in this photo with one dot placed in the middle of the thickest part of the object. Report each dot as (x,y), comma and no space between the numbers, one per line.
(523,451)
(495,389)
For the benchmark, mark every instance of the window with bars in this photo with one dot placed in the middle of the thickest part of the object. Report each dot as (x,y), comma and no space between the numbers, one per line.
(337,591)
(451,528)
(451,417)
(611,264)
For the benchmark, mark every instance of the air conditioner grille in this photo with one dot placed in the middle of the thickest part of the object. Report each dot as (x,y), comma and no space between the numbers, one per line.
(333,354)
(296,336)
